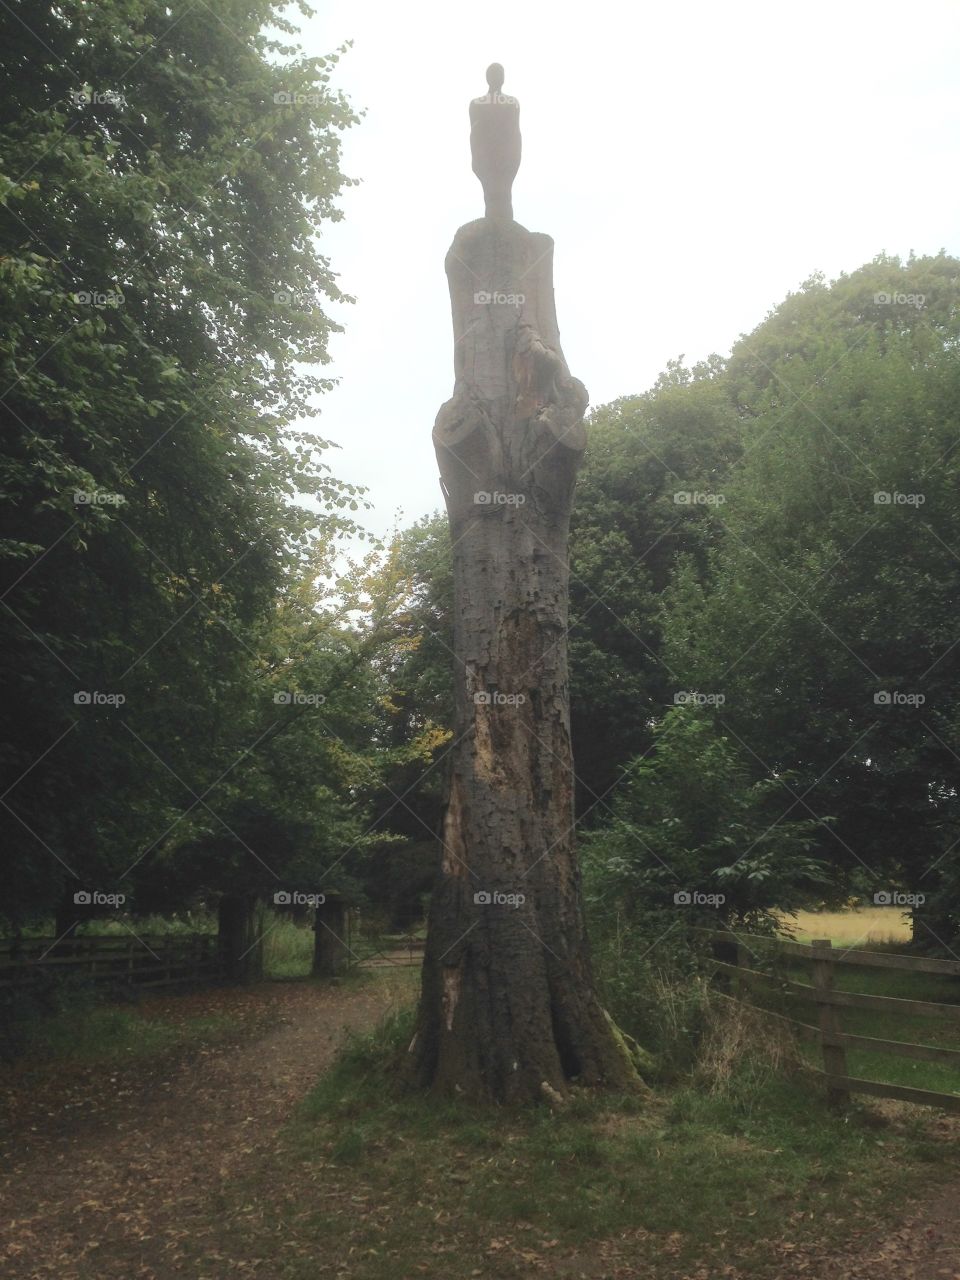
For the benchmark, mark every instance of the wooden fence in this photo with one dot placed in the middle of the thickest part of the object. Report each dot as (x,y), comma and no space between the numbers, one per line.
(404,950)
(142,960)
(828,1034)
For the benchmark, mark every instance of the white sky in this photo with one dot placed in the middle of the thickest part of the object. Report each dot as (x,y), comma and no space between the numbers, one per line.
(693,162)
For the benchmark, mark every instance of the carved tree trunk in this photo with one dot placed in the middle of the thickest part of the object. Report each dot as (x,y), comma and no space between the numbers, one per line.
(508,1004)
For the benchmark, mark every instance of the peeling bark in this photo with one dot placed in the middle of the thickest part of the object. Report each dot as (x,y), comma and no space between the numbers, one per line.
(508,1009)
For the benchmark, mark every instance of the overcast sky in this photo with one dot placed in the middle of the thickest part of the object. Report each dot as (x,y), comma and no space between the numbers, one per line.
(693,162)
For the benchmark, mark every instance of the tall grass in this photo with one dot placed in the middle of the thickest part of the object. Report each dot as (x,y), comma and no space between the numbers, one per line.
(287,948)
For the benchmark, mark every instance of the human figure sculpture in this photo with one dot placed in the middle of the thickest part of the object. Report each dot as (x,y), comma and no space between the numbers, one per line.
(495,144)
(509,1009)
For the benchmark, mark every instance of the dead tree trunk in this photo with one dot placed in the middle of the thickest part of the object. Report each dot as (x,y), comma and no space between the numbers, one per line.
(508,1009)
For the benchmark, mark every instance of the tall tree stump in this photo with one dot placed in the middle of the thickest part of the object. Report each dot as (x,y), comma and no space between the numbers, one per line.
(508,1009)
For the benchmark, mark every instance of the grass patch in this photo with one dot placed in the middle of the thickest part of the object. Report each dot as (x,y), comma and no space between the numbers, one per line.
(74,1021)
(98,1033)
(741,1161)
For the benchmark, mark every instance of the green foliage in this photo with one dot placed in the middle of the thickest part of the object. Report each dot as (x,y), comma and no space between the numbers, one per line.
(651,461)
(690,817)
(404,593)
(163,311)
(694,840)
(820,599)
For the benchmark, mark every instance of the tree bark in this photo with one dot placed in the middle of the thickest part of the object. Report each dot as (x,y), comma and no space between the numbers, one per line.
(508,1009)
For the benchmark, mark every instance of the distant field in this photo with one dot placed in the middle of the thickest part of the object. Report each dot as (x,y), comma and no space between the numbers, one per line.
(860,925)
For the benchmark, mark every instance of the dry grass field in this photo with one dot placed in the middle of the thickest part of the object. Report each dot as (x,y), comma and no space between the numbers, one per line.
(860,926)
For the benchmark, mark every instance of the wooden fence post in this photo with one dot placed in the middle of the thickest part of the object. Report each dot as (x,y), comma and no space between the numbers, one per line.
(330,948)
(834,1054)
(742,964)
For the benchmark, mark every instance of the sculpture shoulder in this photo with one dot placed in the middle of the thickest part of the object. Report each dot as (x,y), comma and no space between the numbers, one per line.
(492,104)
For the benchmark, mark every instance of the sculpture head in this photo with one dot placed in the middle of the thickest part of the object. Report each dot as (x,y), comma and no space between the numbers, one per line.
(495,77)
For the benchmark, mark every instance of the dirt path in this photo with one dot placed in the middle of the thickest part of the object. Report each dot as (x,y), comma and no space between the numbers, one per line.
(108,1177)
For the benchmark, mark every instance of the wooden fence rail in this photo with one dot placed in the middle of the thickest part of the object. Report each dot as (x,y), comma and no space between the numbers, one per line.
(142,960)
(828,1034)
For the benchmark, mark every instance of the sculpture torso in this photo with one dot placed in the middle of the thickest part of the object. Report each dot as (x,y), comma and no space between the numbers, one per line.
(495,145)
